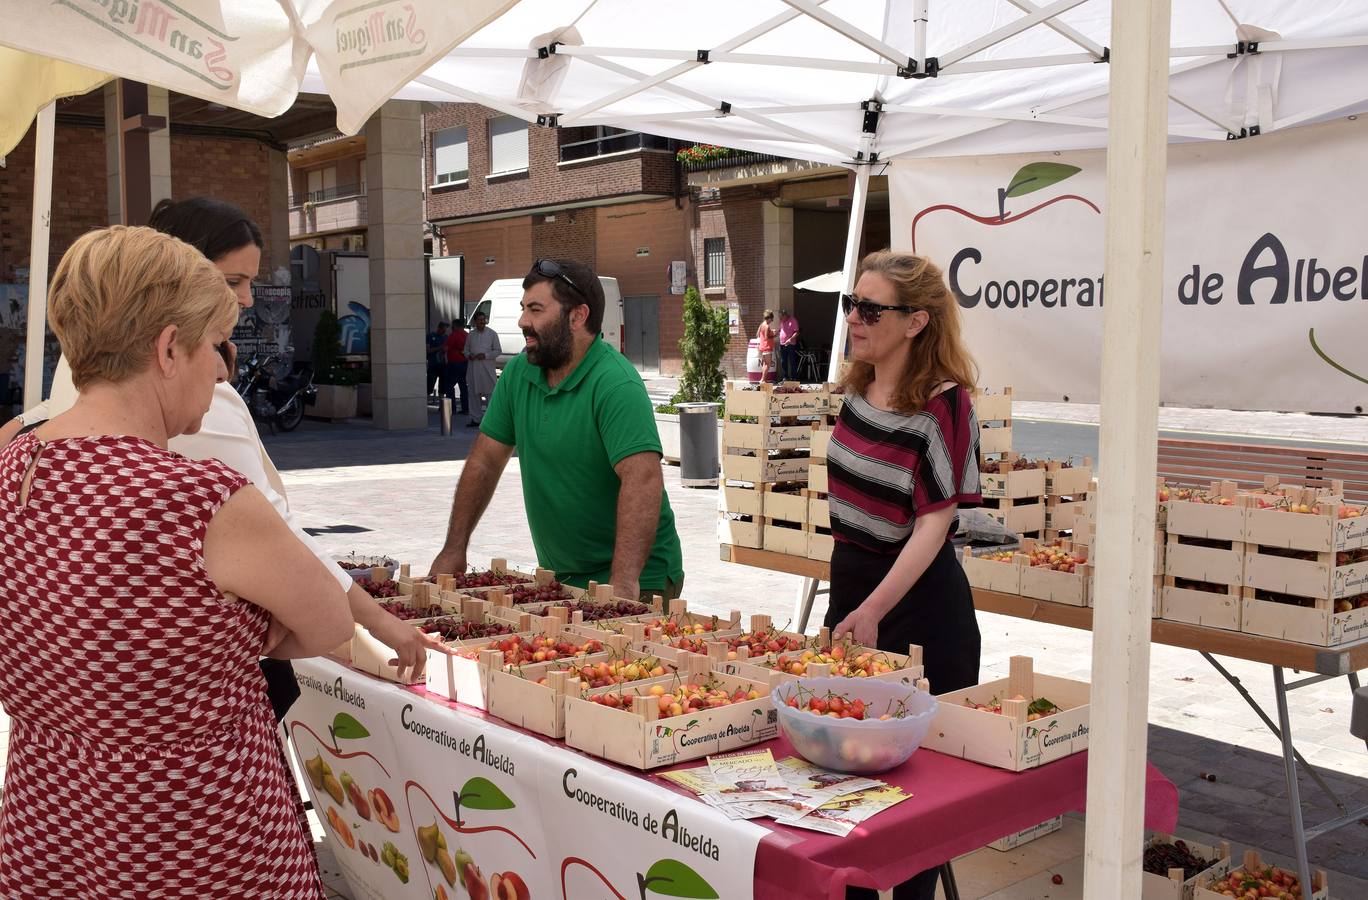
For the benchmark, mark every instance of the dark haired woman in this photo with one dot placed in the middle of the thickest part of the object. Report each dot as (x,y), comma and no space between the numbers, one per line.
(903,459)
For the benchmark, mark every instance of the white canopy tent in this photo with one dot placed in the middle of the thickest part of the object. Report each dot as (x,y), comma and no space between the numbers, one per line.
(859,82)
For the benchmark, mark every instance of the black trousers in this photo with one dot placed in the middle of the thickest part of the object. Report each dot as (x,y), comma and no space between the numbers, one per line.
(281,688)
(938,614)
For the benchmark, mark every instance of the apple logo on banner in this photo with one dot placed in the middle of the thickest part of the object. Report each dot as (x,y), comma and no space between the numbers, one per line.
(1007,280)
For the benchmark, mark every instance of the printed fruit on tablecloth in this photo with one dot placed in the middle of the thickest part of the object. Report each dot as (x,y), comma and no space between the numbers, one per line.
(398,862)
(385,813)
(339,824)
(357,798)
(508,886)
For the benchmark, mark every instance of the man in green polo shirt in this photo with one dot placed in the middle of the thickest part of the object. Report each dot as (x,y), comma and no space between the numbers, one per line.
(578,415)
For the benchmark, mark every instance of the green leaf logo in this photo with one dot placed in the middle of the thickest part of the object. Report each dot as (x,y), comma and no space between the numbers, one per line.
(481,793)
(1036,176)
(672,878)
(347,728)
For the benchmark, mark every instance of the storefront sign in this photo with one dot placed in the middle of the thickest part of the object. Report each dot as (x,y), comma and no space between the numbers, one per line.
(1266,267)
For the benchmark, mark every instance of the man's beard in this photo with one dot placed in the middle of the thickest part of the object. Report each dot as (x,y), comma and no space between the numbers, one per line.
(554,345)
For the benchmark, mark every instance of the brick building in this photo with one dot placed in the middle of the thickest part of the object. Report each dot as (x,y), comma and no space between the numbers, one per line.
(501,193)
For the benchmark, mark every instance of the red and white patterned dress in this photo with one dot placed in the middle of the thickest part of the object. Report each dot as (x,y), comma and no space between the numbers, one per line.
(143,760)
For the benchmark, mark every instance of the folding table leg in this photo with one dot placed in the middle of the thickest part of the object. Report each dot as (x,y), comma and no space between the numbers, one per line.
(948,886)
(1293,791)
(807,592)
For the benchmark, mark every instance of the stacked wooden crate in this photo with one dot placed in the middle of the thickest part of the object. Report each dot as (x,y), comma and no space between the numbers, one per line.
(1067,489)
(820,541)
(994,414)
(765,466)
(1014,493)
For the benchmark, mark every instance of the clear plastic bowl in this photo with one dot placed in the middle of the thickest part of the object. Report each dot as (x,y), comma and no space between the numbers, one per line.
(860,746)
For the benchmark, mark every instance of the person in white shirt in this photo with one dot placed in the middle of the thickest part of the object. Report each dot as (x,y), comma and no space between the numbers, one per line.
(482,350)
(233,242)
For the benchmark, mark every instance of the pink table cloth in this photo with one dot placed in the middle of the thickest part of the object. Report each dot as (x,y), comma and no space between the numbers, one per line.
(956,806)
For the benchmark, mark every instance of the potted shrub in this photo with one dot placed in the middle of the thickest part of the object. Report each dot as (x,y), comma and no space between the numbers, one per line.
(336,389)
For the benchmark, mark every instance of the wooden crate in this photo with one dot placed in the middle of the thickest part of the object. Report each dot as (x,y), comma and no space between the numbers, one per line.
(1022,517)
(1008,740)
(1026,835)
(835,400)
(782,537)
(1067,480)
(1323,533)
(515,696)
(678,619)
(1204,559)
(820,440)
(785,506)
(1084,534)
(1065,513)
(995,438)
(991,407)
(758,469)
(1041,583)
(820,543)
(1306,573)
(763,401)
(765,435)
(1222,520)
(639,737)
(905,668)
(742,531)
(817,478)
(1317,623)
(1003,576)
(746,501)
(1000,480)
(1320,888)
(819,509)
(1199,606)
(1175,886)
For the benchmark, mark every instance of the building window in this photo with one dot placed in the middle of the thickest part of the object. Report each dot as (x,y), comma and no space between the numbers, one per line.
(715,262)
(507,145)
(322,184)
(450,155)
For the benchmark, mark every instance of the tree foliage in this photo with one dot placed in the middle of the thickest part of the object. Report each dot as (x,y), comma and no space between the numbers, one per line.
(705,341)
(327,347)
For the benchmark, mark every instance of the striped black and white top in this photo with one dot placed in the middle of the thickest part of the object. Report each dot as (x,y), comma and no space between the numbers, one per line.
(886,468)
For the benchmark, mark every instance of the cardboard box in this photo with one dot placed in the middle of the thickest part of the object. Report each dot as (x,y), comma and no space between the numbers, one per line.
(1026,835)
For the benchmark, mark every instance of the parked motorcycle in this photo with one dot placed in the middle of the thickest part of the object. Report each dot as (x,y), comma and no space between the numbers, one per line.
(277,401)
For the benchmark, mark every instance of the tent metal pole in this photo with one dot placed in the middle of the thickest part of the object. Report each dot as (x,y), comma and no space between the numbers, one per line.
(1059,27)
(1136,169)
(848,264)
(998,35)
(921,12)
(40,227)
(841,26)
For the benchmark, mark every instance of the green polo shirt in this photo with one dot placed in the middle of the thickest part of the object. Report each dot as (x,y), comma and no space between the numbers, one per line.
(569,438)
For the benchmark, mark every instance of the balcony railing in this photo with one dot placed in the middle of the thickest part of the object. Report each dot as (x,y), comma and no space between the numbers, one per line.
(736,158)
(334,193)
(614,143)
(336,214)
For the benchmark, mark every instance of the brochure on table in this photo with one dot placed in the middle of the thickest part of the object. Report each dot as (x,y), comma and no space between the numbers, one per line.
(470,797)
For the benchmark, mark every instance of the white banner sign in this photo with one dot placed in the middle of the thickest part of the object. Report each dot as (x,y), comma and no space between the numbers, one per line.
(483,811)
(1266,267)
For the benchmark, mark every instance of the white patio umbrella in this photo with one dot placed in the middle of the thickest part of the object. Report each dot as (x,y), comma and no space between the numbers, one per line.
(829,283)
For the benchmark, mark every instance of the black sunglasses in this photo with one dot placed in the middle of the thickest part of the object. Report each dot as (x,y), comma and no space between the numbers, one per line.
(870,312)
(549,268)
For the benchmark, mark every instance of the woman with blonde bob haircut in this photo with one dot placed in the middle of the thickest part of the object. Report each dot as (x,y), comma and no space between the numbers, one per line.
(903,458)
(128,663)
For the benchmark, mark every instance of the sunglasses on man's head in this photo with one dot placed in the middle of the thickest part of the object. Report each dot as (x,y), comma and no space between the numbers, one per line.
(870,312)
(549,268)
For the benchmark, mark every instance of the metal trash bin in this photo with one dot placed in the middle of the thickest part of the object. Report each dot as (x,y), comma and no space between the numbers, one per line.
(698,462)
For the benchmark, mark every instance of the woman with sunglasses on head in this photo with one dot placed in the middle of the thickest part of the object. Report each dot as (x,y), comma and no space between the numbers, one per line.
(903,458)
(230,240)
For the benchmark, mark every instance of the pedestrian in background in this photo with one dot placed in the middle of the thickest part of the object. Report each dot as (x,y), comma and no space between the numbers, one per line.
(765,335)
(788,346)
(482,350)
(436,358)
(454,373)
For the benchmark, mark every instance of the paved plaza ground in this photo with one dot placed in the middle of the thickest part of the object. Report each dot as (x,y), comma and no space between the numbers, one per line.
(377,492)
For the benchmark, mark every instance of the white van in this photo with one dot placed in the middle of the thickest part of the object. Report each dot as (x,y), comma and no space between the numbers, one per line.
(502,303)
